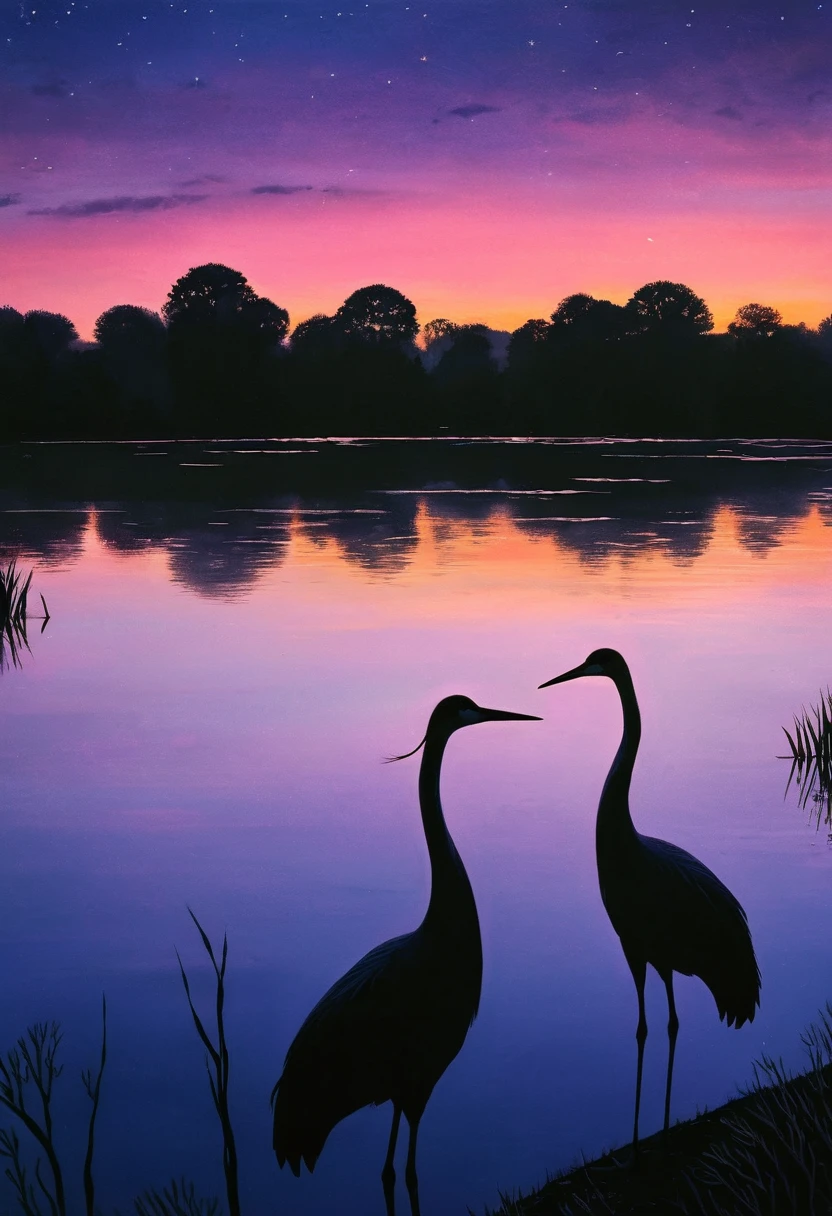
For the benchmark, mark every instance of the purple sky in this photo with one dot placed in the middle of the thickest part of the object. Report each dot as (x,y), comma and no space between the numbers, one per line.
(486,158)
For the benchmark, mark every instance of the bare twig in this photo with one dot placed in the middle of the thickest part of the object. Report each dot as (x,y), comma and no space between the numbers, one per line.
(33,1062)
(93,1089)
(217,1062)
(16,1174)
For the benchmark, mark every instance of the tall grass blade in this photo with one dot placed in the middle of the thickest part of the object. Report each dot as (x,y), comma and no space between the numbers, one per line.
(178,1199)
(792,743)
(14,614)
(218,1056)
(93,1089)
(811,768)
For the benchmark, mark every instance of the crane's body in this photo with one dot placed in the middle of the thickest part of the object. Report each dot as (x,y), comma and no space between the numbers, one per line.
(388,1029)
(667,907)
(672,912)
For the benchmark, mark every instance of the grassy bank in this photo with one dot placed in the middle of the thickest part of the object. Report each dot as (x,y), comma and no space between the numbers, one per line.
(766,1153)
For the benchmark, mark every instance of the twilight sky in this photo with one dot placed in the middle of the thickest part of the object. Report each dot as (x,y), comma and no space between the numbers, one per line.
(486,157)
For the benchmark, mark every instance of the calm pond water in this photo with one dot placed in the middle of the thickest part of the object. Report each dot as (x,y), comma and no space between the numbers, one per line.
(240,632)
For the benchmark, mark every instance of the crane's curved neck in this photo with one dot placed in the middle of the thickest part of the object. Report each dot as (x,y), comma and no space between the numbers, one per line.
(449,882)
(614,825)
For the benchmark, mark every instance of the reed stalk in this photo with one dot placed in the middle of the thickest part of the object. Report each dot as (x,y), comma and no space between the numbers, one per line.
(217,1062)
(811,757)
(14,614)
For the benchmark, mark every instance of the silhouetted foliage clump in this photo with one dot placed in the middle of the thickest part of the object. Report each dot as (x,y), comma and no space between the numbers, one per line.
(756,321)
(221,360)
(223,342)
(34,1170)
(379,315)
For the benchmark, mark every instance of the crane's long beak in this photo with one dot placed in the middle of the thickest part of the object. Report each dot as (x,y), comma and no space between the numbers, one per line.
(503,715)
(567,675)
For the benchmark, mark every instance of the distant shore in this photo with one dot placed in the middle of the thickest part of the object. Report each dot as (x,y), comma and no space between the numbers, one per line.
(219,359)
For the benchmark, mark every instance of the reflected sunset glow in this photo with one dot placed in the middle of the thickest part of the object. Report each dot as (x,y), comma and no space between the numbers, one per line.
(236,642)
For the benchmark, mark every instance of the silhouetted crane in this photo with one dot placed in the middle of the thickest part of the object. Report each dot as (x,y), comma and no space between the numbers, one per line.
(665,905)
(388,1029)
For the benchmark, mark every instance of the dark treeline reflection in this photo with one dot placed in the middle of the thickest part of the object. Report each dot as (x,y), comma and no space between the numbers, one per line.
(221,360)
(224,513)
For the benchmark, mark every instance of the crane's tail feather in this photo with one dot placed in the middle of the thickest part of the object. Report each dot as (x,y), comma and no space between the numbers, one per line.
(736,989)
(298,1136)
(294,1162)
(305,1112)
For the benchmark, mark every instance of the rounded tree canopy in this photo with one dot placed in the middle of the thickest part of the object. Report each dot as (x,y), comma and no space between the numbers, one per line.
(316,334)
(10,318)
(533,330)
(51,332)
(583,317)
(11,331)
(825,327)
(527,342)
(206,292)
(379,314)
(607,321)
(469,353)
(266,318)
(755,321)
(213,295)
(438,328)
(127,325)
(665,307)
(472,339)
(573,308)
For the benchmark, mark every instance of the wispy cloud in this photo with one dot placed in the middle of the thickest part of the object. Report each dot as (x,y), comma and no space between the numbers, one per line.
(351,192)
(331,191)
(125,202)
(473,111)
(729,112)
(214,179)
(9,200)
(280,189)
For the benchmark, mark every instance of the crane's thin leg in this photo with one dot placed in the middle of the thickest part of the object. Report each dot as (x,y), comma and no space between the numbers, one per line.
(411,1181)
(672,1031)
(388,1174)
(639,970)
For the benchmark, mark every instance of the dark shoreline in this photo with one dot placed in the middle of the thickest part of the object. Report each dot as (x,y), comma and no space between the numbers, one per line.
(763,1153)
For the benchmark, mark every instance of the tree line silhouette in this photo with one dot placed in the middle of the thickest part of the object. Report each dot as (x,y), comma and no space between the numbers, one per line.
(220,360)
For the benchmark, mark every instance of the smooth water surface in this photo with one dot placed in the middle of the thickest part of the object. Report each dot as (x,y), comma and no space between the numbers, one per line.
(240,632)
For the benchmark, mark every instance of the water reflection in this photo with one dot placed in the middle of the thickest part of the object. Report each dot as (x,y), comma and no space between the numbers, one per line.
(203,727)
(13,643)
(224,521)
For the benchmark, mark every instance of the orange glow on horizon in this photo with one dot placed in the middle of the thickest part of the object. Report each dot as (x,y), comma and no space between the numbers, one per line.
(501,262)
